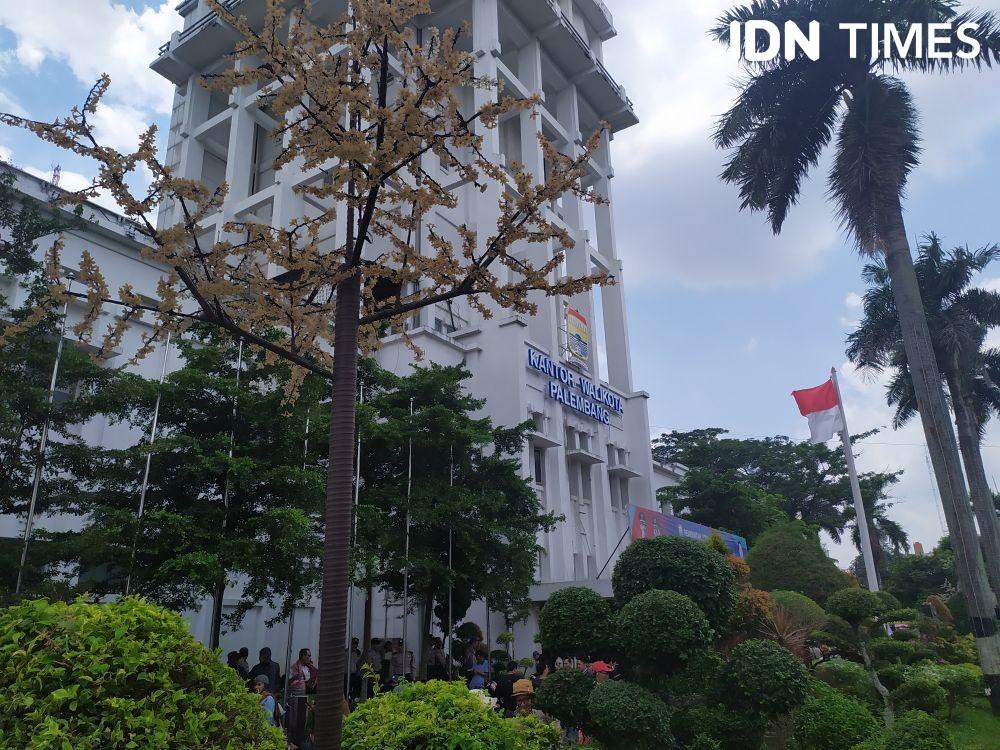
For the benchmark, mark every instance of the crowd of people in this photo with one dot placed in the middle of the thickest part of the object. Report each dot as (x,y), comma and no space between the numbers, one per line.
(386,664)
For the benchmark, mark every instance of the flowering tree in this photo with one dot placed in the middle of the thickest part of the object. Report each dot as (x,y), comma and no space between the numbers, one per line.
(373,107)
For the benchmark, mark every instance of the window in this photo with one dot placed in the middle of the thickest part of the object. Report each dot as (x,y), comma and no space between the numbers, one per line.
(265,151)
(538,464)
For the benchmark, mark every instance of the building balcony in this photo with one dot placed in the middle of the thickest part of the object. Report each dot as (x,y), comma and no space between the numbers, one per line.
(541,440)
(623,471)
(583,456)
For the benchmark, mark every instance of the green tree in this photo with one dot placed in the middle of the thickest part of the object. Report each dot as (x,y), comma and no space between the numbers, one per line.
(959,315)
(70,470)
(212,520)
(913,578)
(723,502)
(886,535)
(787,112)
(791,558)
(466,484)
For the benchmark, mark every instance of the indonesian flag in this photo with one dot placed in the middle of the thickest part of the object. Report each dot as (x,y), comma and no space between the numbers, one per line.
(821,407)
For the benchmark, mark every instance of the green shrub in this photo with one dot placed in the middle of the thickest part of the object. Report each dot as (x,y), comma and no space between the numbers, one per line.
(851,679)
(670,563)
(125,674)
(661,629)
(437,714)
(790,557)
(905,634)
(855,606)
(730,730)
(535,735)
(959,681)
(921,652)
(575,621)
(805,613)
(890,651)
(889,602)
(918,731)
(628,717)
(892,676)
(564,695)
(831,721)
(763,677)
(920,693)
(957,650)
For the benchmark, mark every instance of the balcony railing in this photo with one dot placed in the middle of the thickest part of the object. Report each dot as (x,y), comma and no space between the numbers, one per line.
(200,24)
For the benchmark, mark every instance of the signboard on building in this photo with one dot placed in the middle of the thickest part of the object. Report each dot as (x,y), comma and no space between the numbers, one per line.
(646,524)
(571,389)
(577,334)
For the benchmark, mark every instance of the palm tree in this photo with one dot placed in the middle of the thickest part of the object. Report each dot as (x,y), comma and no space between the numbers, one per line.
(786,113)
(959,316)
(885,533)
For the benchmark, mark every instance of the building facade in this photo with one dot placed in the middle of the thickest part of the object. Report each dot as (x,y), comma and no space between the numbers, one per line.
(567,369)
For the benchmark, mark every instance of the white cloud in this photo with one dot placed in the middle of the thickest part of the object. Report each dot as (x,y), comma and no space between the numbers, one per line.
(853,301)
(752,345)
(95,37)
(119,126)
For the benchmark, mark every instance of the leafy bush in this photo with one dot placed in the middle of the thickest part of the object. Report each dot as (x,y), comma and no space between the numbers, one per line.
(661,629)
(564,695)
(851,679)
(892,676)
(959,681)
(889,602)
(790,557)
(125,674)
(805,613)
(957,650)
(671,563)
(437,714)
(762,677)
(752,613)
(905,634)
(831,721)
(575,621)
(891,651)
(628,717)
(920,693)
(918,731)
(855,606)
(535,735)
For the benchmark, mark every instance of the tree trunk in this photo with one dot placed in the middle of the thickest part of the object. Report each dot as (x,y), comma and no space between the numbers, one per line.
(339,499)
(218,596)
(425,634)
(367,627)
(888,709)
(979,486)
(938,432)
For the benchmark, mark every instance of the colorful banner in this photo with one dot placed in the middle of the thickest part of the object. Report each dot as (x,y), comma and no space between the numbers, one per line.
(646,524)
(577,334)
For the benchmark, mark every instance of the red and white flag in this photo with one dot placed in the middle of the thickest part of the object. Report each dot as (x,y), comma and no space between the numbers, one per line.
(822,408)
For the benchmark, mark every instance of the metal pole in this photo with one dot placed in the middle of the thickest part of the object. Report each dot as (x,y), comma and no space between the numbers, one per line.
(451,585)
(29,522)
(145,474)
(291,617)
(354,539)
(859,507)
(406,556)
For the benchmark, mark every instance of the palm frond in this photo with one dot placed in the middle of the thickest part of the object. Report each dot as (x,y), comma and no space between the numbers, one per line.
(877,148)
(987,34)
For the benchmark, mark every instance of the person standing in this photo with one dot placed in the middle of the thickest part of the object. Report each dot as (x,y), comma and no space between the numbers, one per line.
(267,701)
(244,653)
(352,680)
(436,666)
(505,687)
(233,660)
(268,668)
(303,678)
(373,659)
(480,668)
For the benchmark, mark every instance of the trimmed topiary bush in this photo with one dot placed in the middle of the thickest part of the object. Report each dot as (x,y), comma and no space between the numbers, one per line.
(438,714)
(790,557)
(763,677)
(891,651)
(564,695)
(855,606)
(661,629)
(628,717)
(805,613)
(917,730)
(575,621)
(831,721)
(959,681)
(892,676)
(851,679)
(671,563)
(920,693)
(124,674)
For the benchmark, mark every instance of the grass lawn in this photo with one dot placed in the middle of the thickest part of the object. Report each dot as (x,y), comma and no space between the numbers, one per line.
(975,728)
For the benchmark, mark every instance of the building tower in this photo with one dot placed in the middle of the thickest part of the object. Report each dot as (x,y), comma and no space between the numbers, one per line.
(567,368)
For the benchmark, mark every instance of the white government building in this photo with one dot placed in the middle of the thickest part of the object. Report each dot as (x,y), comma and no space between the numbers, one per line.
(567,368)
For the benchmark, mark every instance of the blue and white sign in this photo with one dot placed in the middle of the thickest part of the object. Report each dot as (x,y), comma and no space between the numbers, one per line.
(571,389)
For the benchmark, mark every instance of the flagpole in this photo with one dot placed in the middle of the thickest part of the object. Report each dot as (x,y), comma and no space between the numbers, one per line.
(354,540)
(406,563)
(859,507)
(451,584)
(149,461)
(29,522)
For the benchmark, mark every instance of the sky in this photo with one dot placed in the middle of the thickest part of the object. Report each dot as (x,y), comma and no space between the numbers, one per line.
(725,318)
